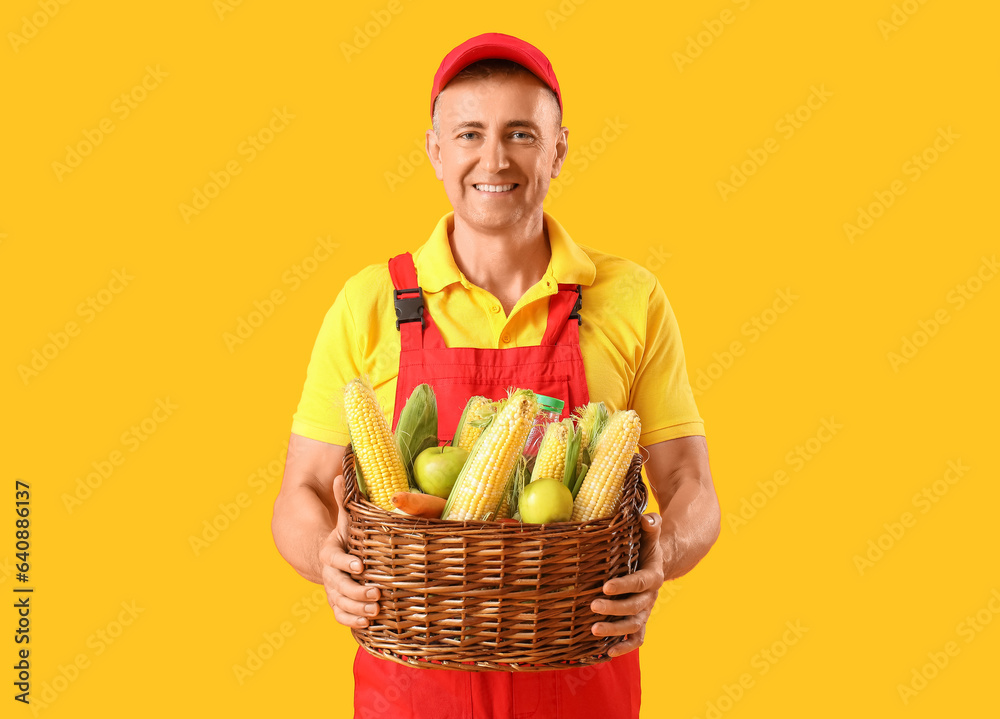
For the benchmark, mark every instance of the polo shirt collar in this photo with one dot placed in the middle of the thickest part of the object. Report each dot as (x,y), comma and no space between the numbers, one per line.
(436,268)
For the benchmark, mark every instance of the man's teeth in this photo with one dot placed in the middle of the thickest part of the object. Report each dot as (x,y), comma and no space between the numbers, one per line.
(494,188)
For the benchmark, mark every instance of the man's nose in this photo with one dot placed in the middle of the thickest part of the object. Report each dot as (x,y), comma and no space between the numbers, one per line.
(494,156)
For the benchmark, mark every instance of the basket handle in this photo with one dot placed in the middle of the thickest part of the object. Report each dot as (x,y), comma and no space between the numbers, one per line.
(351,491)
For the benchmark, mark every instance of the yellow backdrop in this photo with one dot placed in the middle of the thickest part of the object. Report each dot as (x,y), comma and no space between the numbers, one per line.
(187,185)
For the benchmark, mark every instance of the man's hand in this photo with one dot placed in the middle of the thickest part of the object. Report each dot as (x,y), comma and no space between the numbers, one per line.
(643,585)
(351,601)
(671,544)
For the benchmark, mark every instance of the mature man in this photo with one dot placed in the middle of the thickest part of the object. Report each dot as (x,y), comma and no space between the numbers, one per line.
(500,278)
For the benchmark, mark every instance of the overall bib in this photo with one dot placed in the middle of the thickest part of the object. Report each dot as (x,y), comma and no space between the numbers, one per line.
(383,688)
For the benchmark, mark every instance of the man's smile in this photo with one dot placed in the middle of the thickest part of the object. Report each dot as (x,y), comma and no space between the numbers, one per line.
(497,189)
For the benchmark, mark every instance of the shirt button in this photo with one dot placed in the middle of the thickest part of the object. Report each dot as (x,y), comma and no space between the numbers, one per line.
(495,308)
(505,338)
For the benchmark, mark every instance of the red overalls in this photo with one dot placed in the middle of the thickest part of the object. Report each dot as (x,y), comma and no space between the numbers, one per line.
(384,688)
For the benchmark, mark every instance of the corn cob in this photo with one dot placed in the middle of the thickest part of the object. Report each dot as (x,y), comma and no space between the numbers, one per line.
(601,488)
(470,425)
(487,473)
(375,448)
(551,458)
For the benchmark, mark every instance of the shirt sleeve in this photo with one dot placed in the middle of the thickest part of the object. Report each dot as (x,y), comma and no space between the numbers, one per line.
(334,362)
(661,392)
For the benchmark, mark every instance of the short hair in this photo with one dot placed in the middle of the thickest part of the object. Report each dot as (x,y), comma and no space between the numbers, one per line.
(484,69)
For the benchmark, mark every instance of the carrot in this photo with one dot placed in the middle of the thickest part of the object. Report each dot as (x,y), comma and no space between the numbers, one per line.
(418,504)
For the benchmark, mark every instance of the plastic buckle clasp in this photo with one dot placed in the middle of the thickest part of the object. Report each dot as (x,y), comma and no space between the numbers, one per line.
(409,309)
(575,314)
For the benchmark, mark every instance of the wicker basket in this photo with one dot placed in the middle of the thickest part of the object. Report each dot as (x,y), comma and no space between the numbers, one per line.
(487,596)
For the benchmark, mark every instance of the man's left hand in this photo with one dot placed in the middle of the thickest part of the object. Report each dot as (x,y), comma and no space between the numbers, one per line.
(642,586)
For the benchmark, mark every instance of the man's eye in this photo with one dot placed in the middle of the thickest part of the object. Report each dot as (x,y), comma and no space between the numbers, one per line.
(525,134)
(467,134)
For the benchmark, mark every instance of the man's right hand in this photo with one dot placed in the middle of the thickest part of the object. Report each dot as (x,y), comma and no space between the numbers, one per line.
(352,602)
(310,527)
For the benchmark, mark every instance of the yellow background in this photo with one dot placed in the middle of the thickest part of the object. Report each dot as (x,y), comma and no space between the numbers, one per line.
(649,193)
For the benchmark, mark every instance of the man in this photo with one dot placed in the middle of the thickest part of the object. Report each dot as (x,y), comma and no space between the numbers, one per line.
(499,278)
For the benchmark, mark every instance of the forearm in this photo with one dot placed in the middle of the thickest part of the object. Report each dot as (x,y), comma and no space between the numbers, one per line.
(691,524)
(300,525)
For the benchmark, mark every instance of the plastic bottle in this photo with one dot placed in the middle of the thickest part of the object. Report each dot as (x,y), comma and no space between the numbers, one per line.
(550,410)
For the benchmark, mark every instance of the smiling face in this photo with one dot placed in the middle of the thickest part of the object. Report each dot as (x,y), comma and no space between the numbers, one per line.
(500,144)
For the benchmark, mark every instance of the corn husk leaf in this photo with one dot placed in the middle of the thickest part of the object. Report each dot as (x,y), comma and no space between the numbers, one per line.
(572,454)
(592,419)
(417,429)
(579,479)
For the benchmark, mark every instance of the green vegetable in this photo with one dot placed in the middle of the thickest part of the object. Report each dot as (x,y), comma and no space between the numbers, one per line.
(418,428)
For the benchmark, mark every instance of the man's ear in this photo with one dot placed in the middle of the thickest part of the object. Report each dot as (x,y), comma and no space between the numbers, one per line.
(434,152)
(562,149)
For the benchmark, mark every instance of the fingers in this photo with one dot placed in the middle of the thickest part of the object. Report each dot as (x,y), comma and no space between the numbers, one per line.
(628,606)
(630,644)
(650,577)
(628,625)
(348,620)
(352,602)
(333,554)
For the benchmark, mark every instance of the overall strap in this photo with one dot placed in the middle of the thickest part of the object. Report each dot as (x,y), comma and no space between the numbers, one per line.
(564,308)
(416,328)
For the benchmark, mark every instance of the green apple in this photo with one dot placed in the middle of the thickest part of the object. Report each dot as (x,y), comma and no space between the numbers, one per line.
(437,468)
(545,501)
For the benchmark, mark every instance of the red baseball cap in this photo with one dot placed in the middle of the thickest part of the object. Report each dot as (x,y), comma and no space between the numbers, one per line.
(494,45)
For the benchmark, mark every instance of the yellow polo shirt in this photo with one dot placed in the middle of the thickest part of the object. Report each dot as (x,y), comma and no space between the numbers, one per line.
(629,339)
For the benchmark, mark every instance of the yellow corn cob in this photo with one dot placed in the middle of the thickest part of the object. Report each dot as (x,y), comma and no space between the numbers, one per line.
(551,459)
(601,488)
(479,489)
(504,511)
(374,445)
(471,433)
